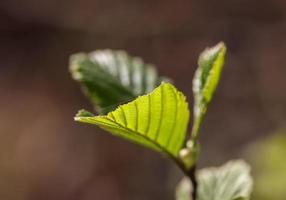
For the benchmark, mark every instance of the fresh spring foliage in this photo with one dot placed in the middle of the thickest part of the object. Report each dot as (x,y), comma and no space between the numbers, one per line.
(110,78)
(232,181)
(156,115)
(157,120)
(205,82)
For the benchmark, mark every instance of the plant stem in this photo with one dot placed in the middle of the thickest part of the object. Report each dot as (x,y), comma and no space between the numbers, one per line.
(192,175)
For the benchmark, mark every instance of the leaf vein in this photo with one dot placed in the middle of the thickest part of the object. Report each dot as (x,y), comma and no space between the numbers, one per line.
(161,114)
(175,120)
(137,115)
(149,115)
(124,116)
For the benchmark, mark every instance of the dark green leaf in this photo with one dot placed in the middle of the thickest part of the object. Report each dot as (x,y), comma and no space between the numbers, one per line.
(110,78)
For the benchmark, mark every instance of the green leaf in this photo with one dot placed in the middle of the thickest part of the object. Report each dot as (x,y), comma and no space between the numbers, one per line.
(205,82)
(110,78)
(157,120)
(232,181)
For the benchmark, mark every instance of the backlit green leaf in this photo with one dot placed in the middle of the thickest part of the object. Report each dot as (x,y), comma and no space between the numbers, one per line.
(205,82)
(110,78)
(232,181)
(157,120)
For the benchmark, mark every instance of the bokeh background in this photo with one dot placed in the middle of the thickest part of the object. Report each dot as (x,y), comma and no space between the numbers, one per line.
(45,155)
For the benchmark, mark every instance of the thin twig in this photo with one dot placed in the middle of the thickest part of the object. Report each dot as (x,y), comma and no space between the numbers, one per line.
(192,175)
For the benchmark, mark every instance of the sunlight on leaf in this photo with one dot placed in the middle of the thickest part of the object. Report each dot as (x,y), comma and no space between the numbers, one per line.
(232,181)
(157,120)
(205,82)
(110,78)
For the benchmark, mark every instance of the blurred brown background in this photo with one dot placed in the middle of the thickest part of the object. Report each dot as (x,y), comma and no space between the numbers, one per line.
(45,155)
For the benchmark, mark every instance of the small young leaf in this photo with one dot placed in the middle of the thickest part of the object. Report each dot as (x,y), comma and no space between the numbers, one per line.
(157,120)
(232,181)
(205,82)
(110,78)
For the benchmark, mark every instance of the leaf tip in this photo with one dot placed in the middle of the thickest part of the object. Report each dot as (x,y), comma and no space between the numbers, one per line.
(219,47)
(82,113)
(211,53)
